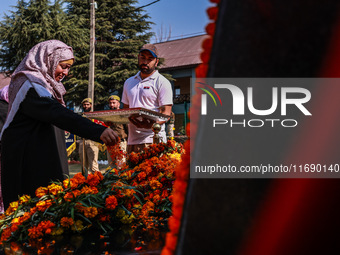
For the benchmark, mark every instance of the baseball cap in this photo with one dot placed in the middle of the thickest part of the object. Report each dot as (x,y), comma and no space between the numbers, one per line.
(114,97)
(151,48)
(87,100)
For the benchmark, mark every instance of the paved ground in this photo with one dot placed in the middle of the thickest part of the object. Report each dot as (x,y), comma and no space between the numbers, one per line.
(76,168)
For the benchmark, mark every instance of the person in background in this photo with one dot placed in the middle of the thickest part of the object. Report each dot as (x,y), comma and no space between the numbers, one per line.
(171,125)
(33,149)
(147,89)
(120,129)
(88,149)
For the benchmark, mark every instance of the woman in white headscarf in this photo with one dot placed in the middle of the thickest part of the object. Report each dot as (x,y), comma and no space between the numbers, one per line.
(33,140)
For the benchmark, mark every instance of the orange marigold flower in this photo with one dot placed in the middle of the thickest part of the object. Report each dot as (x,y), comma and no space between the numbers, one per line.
(89,190)
(6,234)
(42,191)
(43,205)
(79,178)
(71,195)
(141,176)
(79,207)
(93,179)
(90,212)
(104,218)
(111,202)
(54,189)
(72,183)
(66,222)
(154,184)
(33,210)
(129,192)
(35,232)
(156,199)
(46,226)
(38,231)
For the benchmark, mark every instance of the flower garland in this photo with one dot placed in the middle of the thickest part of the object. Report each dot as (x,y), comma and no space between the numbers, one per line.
(183,169)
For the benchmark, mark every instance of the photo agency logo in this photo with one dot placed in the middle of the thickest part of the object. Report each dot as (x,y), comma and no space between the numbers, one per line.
(282,99)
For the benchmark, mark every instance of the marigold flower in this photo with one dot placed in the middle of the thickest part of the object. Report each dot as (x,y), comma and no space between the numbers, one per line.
(120,213)
(141,176)
(93,179)
(79,178)
(43,205)
(129,192)
(104,218)
(54,189)
(14,205)
(6,234)
(156,199)
(41,191)
(66,222)
(127,219)
(35,232)
(46,226)
(24,199)
(154,184)
(90,212)
(78,226)
(71,195)
(111,202)
(57,231)
(89,190)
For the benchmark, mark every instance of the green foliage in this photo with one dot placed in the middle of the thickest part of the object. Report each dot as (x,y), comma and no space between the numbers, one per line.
(32,22)
(120,32)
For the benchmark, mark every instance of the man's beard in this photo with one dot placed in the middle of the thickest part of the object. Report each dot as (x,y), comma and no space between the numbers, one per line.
(146,70)
(87,110)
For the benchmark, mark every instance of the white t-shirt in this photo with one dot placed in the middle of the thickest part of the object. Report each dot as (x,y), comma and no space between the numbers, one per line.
(150,93)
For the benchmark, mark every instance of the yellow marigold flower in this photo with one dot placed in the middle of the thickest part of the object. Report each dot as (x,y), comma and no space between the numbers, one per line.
(57,231)
(78,226)
(129,192)
(175,156)
(120,213)
(12,207)
(54,189)
(24,199)
(15,220)
(43,205)
(66,222)
(40,192)
(127,219)
(90,212)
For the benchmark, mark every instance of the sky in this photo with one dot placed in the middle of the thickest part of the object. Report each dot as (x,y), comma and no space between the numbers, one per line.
(184,17)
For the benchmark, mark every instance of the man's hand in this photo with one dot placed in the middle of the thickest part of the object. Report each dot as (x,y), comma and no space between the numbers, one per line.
(141,122)
(109,137)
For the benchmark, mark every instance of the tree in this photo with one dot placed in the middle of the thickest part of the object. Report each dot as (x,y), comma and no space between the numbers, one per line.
(120,32)
(33,22)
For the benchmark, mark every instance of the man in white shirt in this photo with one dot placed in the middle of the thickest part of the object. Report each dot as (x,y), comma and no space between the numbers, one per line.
(147,89)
